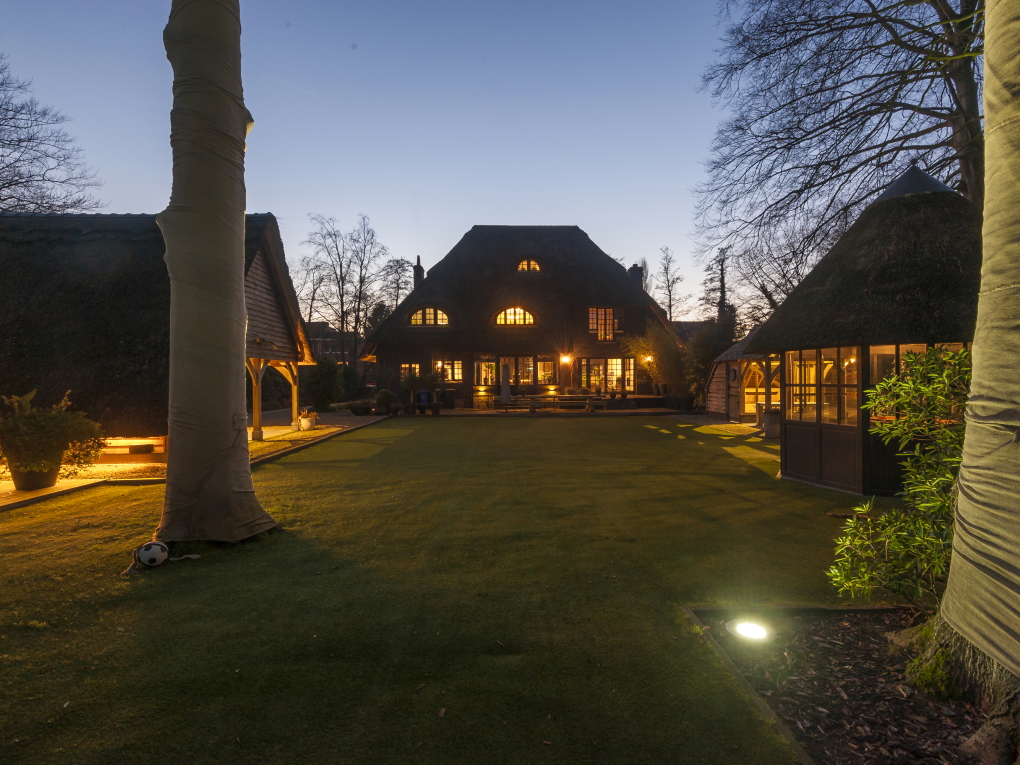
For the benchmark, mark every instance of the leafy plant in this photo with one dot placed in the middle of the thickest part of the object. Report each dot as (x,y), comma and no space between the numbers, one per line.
(385,399)
(906,551)
(38,440)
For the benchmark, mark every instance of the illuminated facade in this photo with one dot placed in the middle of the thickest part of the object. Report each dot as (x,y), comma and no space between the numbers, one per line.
(541,307)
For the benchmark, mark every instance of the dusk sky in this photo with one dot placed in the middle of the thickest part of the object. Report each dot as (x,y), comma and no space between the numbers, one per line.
(429,117)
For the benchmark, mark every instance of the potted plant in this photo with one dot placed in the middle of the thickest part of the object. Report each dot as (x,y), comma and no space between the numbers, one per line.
(386,402)
(307,419)
(35,443)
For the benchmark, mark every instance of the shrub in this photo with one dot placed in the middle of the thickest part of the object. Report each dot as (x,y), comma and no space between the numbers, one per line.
(385,400)
(906,551)
(323,384)
(40,440)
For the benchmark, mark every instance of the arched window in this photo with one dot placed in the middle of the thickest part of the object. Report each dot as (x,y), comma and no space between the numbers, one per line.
(429,316)
(514,316)
(528,265)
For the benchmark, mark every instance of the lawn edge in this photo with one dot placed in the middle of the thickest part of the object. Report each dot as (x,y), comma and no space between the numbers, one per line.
(155,481)
(771,717)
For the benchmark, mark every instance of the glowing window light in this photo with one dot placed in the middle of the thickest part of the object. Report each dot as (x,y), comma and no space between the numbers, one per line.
(430,316)
(514,316)
(528,265)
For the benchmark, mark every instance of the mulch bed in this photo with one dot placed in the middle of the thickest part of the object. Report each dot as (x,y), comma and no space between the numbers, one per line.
(831,678)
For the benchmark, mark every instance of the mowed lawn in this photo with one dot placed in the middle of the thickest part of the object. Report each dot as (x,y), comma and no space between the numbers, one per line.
(444,590)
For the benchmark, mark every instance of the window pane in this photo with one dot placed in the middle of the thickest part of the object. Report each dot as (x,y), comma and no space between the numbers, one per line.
(430,315)
(485,373)
(792,403)
(849,416)
(584,373)
(614,374)
(809,404)
(596,373)
(628,374)
(547,372)
(830,404)
(416,317)
(809,367)
(830,367)
(526,370)
(441,317)
(792,367)
(883,362)
(848,360)
(504,362)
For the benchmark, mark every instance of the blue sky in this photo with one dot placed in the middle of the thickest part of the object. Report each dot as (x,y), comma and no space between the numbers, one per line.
(429,117)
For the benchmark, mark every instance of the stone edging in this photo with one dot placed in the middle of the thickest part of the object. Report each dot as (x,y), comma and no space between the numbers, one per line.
(777,725)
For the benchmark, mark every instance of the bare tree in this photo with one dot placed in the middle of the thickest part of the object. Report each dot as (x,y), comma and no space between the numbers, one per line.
(41,170)
(647,282)
(830,100)
(310,283)
(396,280)
(348,262)
(667,283)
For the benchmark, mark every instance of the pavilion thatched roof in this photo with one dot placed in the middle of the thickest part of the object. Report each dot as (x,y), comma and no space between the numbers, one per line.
(907,271)
(85,306)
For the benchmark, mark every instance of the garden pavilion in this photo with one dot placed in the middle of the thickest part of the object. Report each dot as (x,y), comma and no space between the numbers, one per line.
(904,276)
(85,307)
(742,385)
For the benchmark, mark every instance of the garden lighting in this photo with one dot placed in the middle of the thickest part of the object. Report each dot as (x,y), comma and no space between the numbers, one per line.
(747,629)
(564,359)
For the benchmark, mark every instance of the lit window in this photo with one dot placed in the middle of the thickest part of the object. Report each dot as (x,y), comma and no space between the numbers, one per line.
(514,316)
(430,316)
(604,323)
(409,370)
(450,371)
(528,265)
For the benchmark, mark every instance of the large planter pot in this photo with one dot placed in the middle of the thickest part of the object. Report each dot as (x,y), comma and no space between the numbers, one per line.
(307,423)
(34,481)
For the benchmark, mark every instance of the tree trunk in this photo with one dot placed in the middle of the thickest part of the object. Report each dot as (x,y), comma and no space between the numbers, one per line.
(209,491)
(975,640)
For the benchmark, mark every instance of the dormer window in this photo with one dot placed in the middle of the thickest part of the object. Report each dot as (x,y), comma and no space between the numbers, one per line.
(515,316)
(528,265)
(429,317)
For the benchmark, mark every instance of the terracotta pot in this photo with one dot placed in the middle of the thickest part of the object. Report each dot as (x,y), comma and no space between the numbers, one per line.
(34,481)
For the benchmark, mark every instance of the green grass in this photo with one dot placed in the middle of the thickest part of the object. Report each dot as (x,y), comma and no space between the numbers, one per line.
(524,575)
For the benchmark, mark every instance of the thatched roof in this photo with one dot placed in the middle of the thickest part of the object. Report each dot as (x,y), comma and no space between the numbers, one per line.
(907,271)
(686,330)
(85,306)
(478,278)
(739,349)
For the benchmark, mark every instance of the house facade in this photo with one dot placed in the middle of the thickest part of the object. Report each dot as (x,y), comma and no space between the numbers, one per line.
(540,307)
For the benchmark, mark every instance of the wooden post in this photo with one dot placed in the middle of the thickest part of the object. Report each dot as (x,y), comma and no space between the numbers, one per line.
(256,368)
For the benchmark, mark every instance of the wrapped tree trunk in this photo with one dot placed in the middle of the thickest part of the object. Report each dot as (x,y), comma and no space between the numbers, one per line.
(975,643)
(209,491)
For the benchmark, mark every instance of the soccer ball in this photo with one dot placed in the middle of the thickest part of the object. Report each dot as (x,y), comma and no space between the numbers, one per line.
(152,554)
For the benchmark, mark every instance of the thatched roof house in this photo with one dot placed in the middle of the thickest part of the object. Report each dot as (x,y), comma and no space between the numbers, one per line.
(543,300)
(905,275)
(85,306)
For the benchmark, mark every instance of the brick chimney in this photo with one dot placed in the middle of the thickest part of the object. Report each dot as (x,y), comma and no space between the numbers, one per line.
(637,273)
(419,273)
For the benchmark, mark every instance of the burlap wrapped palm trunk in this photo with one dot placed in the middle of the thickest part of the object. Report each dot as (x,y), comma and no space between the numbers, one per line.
(982,601)
(209,491)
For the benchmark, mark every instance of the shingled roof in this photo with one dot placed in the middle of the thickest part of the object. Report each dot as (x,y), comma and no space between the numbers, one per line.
(908,270)
(85,306)
(478,278)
